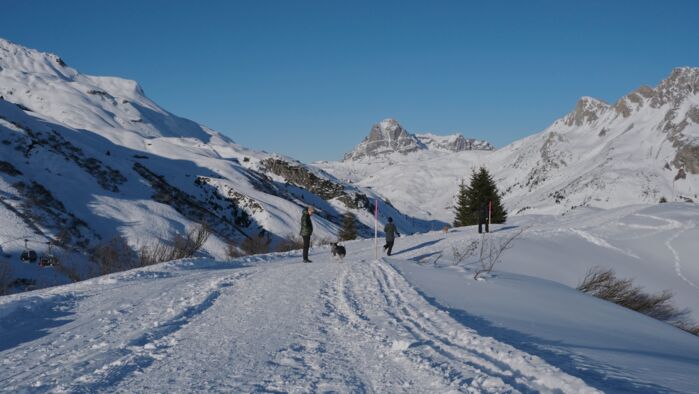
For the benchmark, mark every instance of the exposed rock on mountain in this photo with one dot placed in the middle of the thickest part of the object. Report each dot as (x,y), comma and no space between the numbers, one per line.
(388,137)
(453,143)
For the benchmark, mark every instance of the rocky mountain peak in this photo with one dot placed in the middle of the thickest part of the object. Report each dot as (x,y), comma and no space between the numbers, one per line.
(587,110)
(386,137)
(682,83)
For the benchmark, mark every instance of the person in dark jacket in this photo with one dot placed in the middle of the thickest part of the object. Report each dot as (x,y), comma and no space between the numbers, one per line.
(391,231)
(306,231)
(483,219)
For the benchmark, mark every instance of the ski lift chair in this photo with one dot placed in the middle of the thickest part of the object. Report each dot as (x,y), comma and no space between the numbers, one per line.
(28,255)
(48,259)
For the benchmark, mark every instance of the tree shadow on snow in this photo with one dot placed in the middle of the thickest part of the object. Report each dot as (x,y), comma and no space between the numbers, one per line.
(34,318)
(505,228)
(416,247)
(553,353)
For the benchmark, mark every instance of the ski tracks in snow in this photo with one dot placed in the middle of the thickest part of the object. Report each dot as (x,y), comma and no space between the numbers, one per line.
(357,326)
(105,346)
(676,255)
(420,348)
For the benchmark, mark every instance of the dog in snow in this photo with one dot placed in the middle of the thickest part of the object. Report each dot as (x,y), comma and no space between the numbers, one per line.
(338,250)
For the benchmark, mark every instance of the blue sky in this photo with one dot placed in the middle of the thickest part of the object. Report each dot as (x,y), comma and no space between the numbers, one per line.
(309,78)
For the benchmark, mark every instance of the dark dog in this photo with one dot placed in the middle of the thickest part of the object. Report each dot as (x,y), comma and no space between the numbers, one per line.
(338,250)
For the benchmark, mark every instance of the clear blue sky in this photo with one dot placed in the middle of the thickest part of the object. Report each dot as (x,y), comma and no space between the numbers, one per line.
(309,78)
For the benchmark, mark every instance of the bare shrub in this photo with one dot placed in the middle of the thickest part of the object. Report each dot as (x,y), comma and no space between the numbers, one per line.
(256,245)
(154,253)
(287,245)
(232,251)
(113,256)
(5,277)
(603,283)
(189,245)
(178,247)
(490,251)
(461,252)
(72,272)
(324,242)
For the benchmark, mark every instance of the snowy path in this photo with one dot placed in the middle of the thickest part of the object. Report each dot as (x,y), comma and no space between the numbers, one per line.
(357,326)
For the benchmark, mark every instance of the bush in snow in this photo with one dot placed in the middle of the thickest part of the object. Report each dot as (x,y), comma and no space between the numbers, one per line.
(348,231)
(293,243)
(461,252)
(179,247)
(604,284)
(257,244)
(114,256)
(490,251)
(232,251)
(5,277)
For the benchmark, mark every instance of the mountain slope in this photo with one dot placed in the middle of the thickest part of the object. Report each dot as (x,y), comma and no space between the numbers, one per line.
(399,324)
(84,159)
(641,149)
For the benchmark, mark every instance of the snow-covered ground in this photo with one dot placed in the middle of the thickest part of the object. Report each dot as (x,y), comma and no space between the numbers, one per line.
(270,323)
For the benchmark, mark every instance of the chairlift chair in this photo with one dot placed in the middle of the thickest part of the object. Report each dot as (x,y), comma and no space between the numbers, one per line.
(48,259)
(28,255)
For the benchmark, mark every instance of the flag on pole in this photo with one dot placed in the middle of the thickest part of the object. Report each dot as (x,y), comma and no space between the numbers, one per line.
(376,228)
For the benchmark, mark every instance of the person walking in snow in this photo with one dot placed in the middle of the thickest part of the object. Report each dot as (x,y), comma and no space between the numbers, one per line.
(306,231)
(483,219)
(391,231)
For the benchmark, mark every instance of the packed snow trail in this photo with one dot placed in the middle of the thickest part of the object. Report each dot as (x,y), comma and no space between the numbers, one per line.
(186,326)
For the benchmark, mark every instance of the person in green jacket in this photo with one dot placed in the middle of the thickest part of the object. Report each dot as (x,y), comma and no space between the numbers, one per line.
(391,231)
(306,231)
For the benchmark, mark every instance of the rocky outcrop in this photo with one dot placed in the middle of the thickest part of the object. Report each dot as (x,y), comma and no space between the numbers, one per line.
(453,143)
(387,136)
(187,205)
(587,110)
(302,177)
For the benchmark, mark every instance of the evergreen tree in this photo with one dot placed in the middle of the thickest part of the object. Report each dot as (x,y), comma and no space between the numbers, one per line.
(349,227)
(471,199)
(461,212)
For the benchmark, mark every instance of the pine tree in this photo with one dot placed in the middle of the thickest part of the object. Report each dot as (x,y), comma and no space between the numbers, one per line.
(461,212)
(349,227)
(471,199)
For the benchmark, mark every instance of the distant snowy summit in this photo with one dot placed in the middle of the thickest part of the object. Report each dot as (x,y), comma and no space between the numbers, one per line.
(453,143)
(388,136)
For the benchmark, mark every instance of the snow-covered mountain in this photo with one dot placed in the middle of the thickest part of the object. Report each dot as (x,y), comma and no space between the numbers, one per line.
(453,143)
(84,159)
(641,149)
(388,137)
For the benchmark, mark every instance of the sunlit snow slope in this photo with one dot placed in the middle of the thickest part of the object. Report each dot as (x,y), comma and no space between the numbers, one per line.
(399,324)
(641,149)
(84,159)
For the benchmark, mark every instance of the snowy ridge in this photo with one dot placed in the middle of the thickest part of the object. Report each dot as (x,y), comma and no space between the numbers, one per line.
(641,149)
(453,143)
